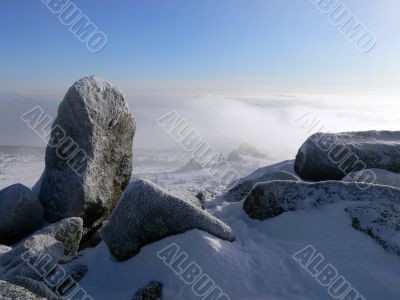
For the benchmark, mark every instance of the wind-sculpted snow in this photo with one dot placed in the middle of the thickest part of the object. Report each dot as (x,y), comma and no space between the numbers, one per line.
(380,176)
(331,156)
(146,213)
(20,213)
(93,118)
(243,188)
(377,214)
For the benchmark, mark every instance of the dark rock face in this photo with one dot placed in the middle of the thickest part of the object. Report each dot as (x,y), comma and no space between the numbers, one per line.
(331,156)
(152,291)
(243,188)
(20,213)
(146,213)
(89,155)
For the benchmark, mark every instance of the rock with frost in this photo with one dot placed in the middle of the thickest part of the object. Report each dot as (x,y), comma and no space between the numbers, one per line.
(20,213)
(187,197)
(152,291)
(243,188)
(146,213)
(10,291)
(331,156)
(68,231)
(20,261)
(269,199)
(381,221)
(89,155)
(374,176)
(37,287)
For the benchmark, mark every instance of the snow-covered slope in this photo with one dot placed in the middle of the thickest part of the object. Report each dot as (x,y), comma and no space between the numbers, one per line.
(258,265)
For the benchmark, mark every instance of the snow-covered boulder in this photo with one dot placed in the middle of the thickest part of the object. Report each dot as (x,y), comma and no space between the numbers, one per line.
(331,156)
(39,288)
(20,261)
(146,213)
(243,188)
(269,199)
(381,221)
(10,291)
(152,291)
(89,155)
(68,231)
(374,176)
(20,213)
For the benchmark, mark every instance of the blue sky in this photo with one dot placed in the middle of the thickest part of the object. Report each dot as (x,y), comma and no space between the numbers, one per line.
(162,40)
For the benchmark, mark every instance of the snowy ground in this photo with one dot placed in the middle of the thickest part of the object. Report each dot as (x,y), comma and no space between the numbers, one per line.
(258,265)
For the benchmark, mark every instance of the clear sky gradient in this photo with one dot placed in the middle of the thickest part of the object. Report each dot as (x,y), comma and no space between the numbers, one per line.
(162,40)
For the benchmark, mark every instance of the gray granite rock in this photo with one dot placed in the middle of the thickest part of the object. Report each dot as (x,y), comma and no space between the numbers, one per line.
(20,213)
(331,156)
(68,231)
(89,155)
(146,213)
(33,258)
(269,199)
(381,221)
(10,291)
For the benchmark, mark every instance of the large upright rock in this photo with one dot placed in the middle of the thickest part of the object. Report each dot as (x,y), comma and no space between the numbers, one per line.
(89,155)
(146,213)
(20,213)
(331,156)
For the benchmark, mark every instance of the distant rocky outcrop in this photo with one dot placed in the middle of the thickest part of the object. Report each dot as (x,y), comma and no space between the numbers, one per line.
(146,213)
(20,213)
(245,150)
(191,165)
(331,156)
(243,188)
(89,155)
(374,176)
